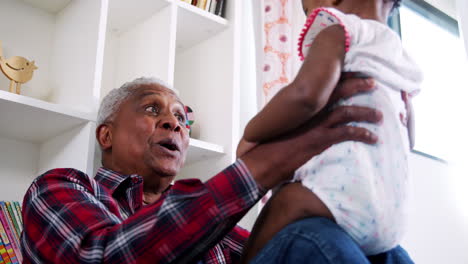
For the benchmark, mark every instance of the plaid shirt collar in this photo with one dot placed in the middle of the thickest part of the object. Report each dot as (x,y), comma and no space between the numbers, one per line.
(112,180)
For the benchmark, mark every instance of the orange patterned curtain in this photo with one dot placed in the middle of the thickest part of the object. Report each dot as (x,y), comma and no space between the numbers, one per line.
(277,24)
(278,46)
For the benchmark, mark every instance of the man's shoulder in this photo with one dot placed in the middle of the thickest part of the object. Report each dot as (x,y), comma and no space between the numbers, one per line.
(64,175)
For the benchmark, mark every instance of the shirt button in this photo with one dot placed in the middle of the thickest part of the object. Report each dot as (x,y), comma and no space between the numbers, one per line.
(135,180)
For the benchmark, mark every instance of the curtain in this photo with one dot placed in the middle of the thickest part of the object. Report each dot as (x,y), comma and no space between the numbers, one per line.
(277,24)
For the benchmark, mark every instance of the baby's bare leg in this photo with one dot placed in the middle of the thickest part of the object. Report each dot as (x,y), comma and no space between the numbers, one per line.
(291,203)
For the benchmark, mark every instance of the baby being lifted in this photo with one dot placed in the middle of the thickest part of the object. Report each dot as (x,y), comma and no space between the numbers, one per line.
(364,188)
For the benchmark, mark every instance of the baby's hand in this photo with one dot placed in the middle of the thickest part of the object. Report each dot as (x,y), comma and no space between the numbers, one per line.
(244,147)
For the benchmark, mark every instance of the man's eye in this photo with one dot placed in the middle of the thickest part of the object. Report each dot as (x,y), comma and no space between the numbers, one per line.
(181,118)
(152,109)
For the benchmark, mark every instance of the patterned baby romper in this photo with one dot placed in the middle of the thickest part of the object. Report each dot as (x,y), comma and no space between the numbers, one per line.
(366,186)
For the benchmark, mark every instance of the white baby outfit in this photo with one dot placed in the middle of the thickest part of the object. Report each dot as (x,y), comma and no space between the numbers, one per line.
(366,186)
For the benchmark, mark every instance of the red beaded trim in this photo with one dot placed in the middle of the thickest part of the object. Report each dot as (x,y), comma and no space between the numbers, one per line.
(310,20)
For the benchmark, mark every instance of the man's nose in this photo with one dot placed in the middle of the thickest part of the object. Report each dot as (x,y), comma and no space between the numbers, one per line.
(170,122)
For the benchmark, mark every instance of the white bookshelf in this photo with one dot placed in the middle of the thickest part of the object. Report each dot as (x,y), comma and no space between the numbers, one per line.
(83,49)
(195,25)
(29,119)
(200,150)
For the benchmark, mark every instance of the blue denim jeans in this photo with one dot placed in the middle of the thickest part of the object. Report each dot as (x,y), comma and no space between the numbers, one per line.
(319,240)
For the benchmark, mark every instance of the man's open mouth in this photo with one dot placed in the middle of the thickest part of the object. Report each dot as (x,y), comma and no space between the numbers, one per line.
(169,144)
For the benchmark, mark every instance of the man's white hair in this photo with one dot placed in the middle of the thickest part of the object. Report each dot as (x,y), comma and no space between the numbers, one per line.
(111,102)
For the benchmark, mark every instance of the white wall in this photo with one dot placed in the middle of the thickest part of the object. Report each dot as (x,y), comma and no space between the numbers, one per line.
(248,82)
(462,8)
(438,229)
(19,167)
(61,151)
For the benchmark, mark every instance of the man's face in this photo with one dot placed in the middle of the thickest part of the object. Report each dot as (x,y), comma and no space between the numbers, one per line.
(149,133)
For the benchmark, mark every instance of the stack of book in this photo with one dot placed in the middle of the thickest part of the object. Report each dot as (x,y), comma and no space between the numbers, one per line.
(213,6)
(11,225)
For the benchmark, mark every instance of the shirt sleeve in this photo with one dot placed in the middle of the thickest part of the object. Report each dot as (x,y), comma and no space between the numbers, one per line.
(65,222)
(318,20)
(231,246)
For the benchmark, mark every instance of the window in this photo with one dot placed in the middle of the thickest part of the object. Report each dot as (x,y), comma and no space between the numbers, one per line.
(432,39)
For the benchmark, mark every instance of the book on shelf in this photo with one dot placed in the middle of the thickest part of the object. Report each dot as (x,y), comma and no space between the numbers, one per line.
(220,6)
(20,218)
(213,6)
(207,6)
(6,250)
(4,258)
(13,218)
(216,7)
(10,229)
(201,4)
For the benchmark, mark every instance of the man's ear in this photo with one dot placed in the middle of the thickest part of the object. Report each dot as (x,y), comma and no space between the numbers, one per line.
(104,136)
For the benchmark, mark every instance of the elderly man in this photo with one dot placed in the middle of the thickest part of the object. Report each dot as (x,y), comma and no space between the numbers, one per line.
(130,213)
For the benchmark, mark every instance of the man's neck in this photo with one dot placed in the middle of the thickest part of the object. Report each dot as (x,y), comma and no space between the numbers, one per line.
(150,198)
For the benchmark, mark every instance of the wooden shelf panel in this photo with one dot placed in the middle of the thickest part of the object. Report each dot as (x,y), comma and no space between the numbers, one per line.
(124,14)
(195,25)
(28,119)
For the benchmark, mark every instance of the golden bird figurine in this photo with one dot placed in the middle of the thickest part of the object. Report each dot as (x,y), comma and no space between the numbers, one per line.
(18,69)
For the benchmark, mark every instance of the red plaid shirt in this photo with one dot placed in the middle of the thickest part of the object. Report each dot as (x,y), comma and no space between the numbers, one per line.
(72,218)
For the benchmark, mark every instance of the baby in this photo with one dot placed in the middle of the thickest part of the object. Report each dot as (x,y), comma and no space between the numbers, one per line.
(364,188)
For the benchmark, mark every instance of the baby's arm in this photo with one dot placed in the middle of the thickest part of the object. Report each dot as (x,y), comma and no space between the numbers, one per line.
(308,93)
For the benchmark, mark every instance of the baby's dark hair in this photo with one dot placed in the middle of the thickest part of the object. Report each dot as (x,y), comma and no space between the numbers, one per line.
(396,3)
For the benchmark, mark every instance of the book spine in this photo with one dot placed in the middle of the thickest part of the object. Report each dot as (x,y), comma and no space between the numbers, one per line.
(208,4)
(213,6)
(14,217)
(11,218)
(201,4)
(20,215)
(17,209)
(8,228)
(220,8)
(17,217)
(6,242)
(4,258)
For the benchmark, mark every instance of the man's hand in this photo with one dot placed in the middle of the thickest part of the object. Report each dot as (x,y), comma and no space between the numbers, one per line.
(244,147)
(275,161)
